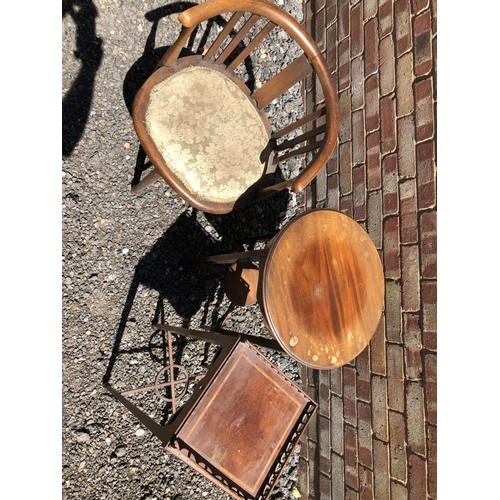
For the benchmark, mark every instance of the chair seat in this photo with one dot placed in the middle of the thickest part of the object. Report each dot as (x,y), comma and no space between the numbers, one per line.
(208,132)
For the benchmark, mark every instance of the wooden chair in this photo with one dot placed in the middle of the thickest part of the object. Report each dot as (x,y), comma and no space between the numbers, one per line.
(242,421)
(206,132)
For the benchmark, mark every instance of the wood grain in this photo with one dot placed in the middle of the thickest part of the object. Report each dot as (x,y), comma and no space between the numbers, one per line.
(322,288)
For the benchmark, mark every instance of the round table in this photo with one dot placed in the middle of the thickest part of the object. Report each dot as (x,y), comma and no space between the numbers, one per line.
(321,288)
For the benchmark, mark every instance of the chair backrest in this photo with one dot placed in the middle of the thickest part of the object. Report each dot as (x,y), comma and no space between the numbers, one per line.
(322,125)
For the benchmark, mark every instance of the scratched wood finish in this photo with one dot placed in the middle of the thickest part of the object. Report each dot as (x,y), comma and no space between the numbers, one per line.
(244,420)
(323,288)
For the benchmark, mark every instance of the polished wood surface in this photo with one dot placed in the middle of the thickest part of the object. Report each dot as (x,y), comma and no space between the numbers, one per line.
(244,420)
(322,290)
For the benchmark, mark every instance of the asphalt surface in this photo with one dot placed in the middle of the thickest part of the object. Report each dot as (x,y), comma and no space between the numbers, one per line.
(123,255)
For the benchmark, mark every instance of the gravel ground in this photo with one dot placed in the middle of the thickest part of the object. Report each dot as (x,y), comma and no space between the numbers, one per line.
(123,254)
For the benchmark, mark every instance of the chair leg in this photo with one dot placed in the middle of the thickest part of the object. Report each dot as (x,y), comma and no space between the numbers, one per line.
(231,258)
(149,179)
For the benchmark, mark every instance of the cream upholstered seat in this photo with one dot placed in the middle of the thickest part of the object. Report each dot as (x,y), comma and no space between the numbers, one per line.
(208,132)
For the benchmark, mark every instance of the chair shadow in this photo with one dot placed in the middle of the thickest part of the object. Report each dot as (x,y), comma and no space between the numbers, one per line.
(187,288)
(77,101)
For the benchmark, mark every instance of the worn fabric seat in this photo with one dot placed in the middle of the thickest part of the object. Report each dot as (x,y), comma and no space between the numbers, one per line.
(208,133)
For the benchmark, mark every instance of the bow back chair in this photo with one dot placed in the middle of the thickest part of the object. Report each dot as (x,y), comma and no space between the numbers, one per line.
(242,420)
(207,133)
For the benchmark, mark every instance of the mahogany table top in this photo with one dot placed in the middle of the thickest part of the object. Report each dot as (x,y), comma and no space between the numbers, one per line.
(322,290)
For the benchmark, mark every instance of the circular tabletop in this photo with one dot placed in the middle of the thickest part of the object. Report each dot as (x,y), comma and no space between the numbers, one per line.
(322,288)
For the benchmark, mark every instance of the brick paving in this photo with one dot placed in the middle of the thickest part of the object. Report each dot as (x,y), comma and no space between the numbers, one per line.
(374,435)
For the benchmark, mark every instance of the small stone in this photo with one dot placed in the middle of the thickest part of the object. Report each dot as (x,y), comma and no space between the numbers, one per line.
(140,432)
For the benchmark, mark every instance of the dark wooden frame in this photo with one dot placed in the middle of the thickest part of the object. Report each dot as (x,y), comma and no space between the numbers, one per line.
(322,125)
(170,434)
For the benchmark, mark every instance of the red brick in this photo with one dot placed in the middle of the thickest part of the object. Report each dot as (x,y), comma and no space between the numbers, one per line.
(345,116)
(365,434)
(415,418)
(313,465)
(318,4)
(416,479)
(337,476)
(356,30)
(406,147)
(332,166)
(337,425)
(410,277)
(346,204)
(336,381)
(402,15)
(418,5)
(359,192)
(358,136)
(429,292)
(404,84)
(373,164)
(398,491)
(432,460)
(331,48)
(426,175)
(428,244)
(325,486)
(363,379)
(392,267)
(319,23)
(343,19)
(381,480)
(424,109)
(377,350)
(385,17)
(379,407)
(303,470)
(395,377)
(430,367)
(324,393)
(387,66)
(388,123)
(351,457)
(412,334)
(374,218)
(370,9)
(394,331)
(332,186)
(324,444)
(331,13)
(408,209)
(397,446)
(372,99)
(344,65)
(371,47)
(423,44)
(345,168)
(365,483)
(319,95)
(349,375)
(358,83)
(390,185)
